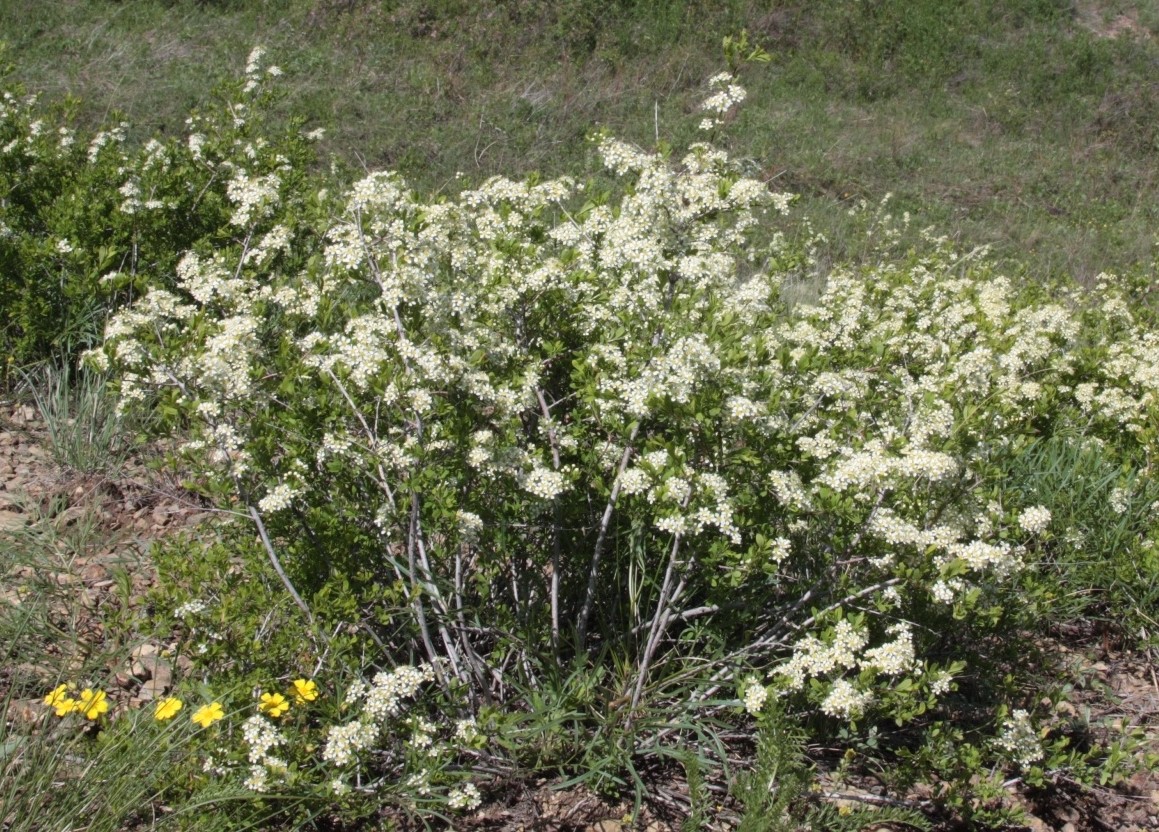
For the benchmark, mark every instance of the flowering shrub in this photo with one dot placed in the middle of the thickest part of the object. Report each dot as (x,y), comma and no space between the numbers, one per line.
(565,427)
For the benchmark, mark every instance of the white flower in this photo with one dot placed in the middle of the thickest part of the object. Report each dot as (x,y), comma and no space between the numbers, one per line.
(941,684)
(893,658)
(280,497)
(344,742)
(384,697)
(189,609)
(755,695)
(261,736)
(464,797)
(1020,739)
(258,780)
(545,484)
(944,592)
(845,701)
(1034,520)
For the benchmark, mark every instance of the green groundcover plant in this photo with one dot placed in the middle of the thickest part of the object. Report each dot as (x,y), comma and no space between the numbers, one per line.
(622,462)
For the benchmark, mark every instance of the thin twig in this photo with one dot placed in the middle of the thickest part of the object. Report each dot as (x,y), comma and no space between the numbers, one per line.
(597,553)
(417,598)
(257,518)
(371,436)
(555,536)
(660,621)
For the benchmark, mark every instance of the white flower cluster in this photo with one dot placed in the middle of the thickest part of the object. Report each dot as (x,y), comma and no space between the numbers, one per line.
(756,694)
(381,699)
(466,730)
(345,742)
(1034,520)
(726,95)
(258,779)
(261,736)
(1120,500)
(385,695)
(845,701)
(464,797)
(895,657)
(544,483)
(870,468)
(1020,740)
(280,497)
(190,609)
(813,657)
(254,197)
(946,592)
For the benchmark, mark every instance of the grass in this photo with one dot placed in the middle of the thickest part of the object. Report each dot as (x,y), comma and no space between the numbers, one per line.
(87,434)
(1102,569)
(1028,126)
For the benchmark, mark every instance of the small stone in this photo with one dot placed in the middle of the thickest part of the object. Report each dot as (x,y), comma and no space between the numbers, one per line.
(26,711)
(12,520)
(68,517)
(93,574)
(146,649)
(153,689)
(12,597)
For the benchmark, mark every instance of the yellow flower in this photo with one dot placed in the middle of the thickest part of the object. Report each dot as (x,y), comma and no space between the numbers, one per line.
(206,715)
(92,703)
(167,708)
(60,700)
(304,691)
(273,705)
